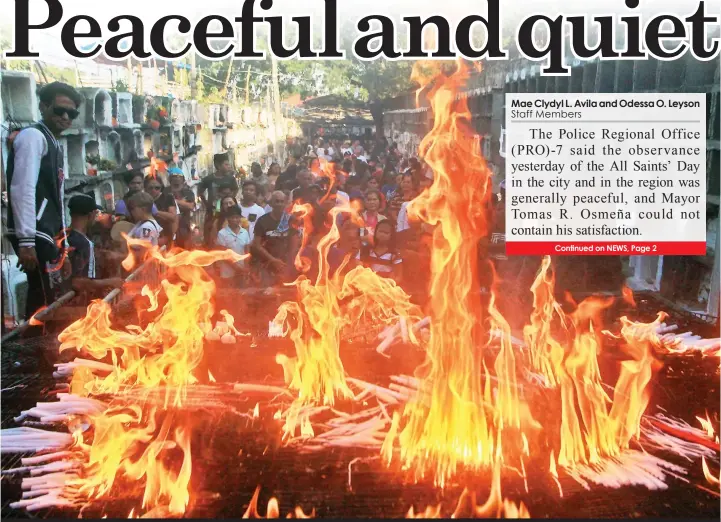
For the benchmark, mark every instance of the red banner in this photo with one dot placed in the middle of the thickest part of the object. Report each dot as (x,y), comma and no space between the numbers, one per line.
(606,248)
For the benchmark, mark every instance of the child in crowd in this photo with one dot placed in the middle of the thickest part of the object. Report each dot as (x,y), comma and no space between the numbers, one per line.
(140,206)
(383,257)
(83,254)
(220,218)
(226,190)
(237,239)
(146,228)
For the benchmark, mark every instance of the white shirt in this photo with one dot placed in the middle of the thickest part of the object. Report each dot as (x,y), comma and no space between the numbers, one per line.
(403,218)
(235,242)
(148,230)
(248,212)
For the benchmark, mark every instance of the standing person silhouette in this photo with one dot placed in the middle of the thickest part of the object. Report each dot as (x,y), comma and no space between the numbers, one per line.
(35,194)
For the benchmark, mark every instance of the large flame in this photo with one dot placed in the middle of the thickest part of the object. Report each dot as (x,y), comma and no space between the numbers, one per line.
(459,420)
(469,411)
(137,442)
(564,350)
(323,308)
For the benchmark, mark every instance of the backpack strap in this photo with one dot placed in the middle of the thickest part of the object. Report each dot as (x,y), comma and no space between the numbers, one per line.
(155,226)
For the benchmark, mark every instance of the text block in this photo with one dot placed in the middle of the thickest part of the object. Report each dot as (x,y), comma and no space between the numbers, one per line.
(606,174)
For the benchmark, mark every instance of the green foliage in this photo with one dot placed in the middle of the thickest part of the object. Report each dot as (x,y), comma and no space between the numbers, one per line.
(106,165)
(213,95)
(100,164)
(121,86)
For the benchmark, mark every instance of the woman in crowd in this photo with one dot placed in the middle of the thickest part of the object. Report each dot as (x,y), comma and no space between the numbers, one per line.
(273,175)
(406,192)
(135,184)
(374,185)
(383,256)
(371,215)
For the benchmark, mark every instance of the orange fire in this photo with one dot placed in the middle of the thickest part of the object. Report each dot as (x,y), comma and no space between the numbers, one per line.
(459,420)
(564,349)
(273,510)
(61,242)
(628,296)
(137,442)
(495,507)
(707,473)
(37,322)
(305,212)
(469,412)
(315,321)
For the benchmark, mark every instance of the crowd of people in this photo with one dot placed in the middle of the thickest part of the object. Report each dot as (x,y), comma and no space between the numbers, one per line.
(254,212)
(277,215)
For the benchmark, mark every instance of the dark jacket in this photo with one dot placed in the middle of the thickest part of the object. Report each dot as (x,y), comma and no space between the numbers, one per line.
(46,219)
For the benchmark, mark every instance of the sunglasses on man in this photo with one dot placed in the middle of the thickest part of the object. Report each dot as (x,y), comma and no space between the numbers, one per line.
(61,111)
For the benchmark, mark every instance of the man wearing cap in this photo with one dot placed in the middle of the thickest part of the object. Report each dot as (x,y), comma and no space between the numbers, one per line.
(208,190)
(35,181)
(82,252)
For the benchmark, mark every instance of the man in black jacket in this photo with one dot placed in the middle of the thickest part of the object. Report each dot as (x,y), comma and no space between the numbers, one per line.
(35,193)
